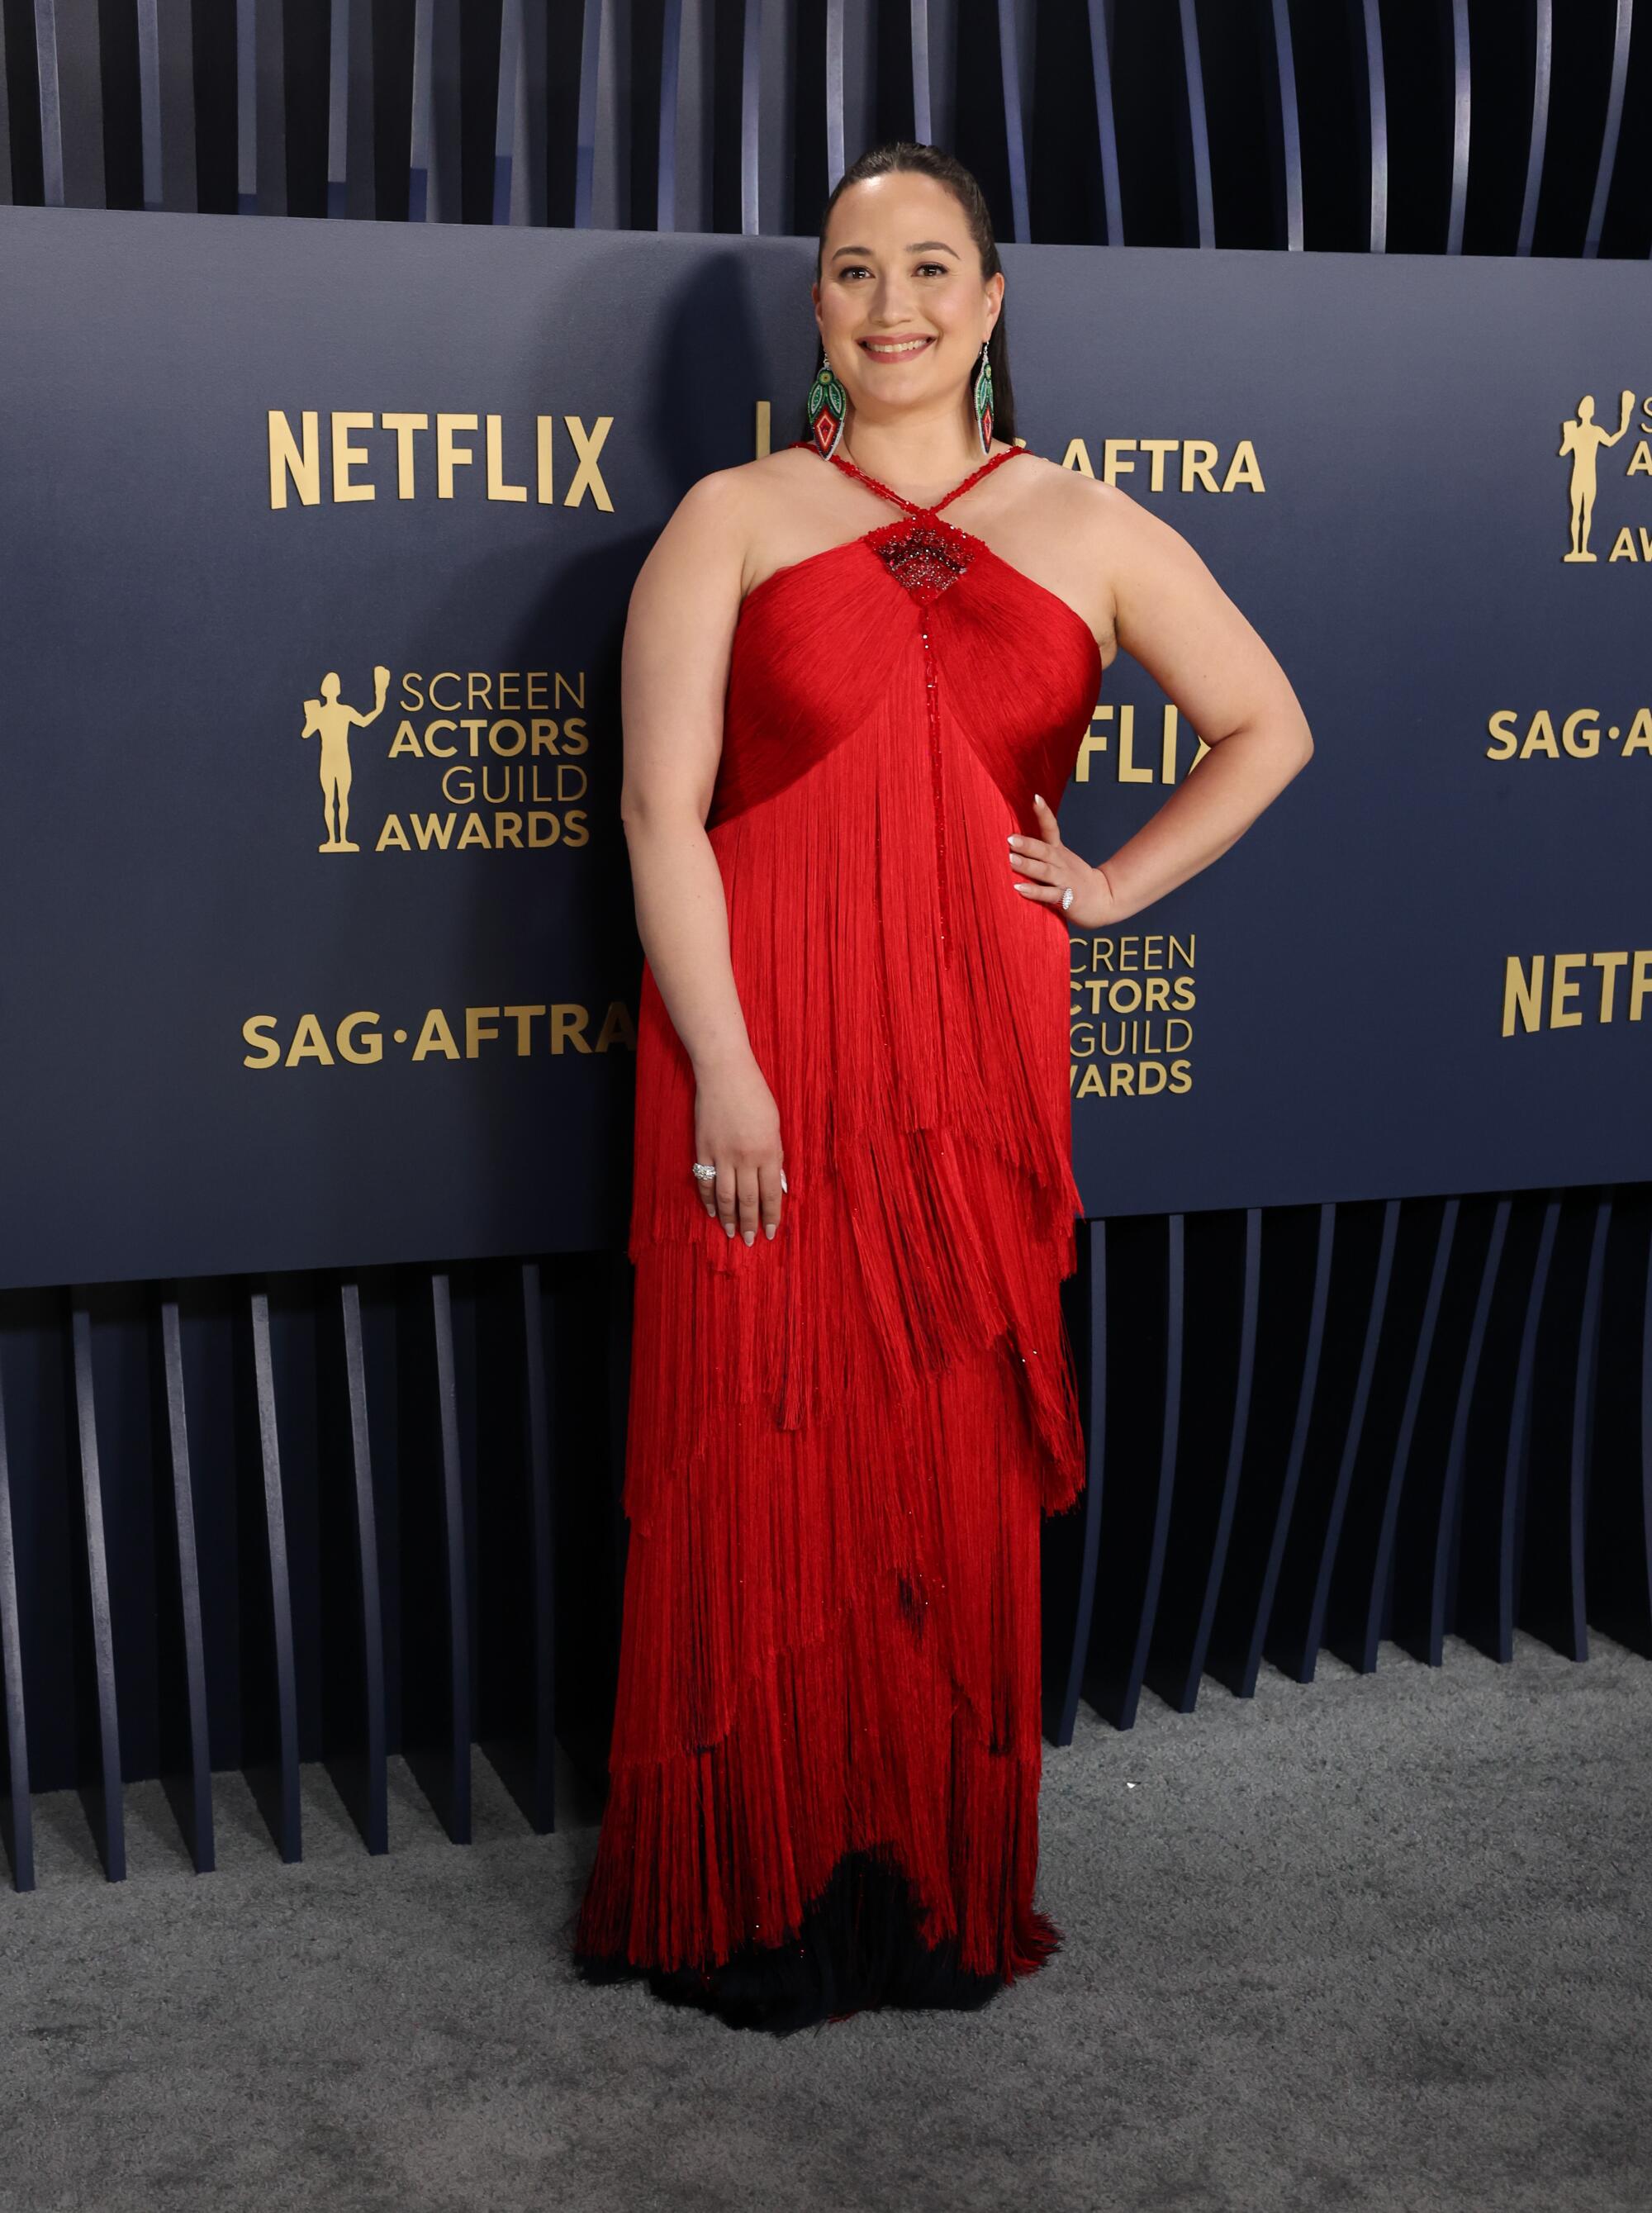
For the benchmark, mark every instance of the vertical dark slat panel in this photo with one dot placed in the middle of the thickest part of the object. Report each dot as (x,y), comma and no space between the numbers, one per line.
(421,133)
(590,55)
(70,64)
(777,104)
(1117,1670)
(361,167)
(100,1776)
(935,70)
(589,1309)
(1198,129)
(247,106)
(1581,1463)
(7,188)
(859,85)
(1548,1564)
(352,134)
(1380,1586)
(1244,1684)
(515,1702)
(1461,118)
(697,118)
(541,1809)
(270,102)
(356,1756)
(1614,124)
(1542,36)
(1183,1693)
(618,1292)
(671,53)
(186,1770)
(1517,1453)
(149,100)
(1113,198)
(836,162)
(36,1349)
(507,92)
(16,1808)
(339,13)
(1619,1542)
(272,1771)
(1447,1535)
(457,1554)
(849,46)
(389,1348)
(750,116)
(533,115)
(1642,1453)
(1375,119)
(439,1751)
(1069,1551)
(536,112)
(1307,1659)
(1290,126)
(1017,28)
(173,40)
(436,188)
(922,110)
(1170,1432)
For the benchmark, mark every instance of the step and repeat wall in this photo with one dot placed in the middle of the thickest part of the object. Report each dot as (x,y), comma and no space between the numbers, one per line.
(317,946)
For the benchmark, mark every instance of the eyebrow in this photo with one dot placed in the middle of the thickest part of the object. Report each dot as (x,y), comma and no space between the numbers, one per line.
(923,246)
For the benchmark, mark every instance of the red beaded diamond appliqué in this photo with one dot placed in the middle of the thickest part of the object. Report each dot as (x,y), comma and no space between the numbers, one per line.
(924,556)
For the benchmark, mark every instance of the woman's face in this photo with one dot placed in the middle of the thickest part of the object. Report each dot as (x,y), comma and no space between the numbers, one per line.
(901,303)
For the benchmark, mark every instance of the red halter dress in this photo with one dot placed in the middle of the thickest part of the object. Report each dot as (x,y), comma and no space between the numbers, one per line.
(825,1765)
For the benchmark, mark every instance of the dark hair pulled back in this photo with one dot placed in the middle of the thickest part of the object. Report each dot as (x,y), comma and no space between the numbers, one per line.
(901,153)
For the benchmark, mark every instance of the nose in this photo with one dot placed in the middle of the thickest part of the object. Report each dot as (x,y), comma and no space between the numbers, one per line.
(891,302)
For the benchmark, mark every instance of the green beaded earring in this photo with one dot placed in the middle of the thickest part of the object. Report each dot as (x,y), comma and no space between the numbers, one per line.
(828,403)
(982,396)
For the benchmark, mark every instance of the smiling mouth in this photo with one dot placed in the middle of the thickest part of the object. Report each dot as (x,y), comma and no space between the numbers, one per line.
(894,349)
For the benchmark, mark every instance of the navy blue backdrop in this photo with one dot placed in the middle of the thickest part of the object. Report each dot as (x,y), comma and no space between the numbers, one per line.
(240,458)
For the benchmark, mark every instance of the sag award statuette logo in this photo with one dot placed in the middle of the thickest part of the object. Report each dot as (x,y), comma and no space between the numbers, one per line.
(331,718)
(481,760)
(1582,438)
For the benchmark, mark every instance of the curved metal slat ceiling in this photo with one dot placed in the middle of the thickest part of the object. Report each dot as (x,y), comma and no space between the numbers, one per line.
(605,113)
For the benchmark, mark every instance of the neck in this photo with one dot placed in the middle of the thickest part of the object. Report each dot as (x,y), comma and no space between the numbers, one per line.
(922,459)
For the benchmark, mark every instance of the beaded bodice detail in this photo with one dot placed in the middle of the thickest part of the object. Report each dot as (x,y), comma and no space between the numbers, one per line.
(921,551)
(925,558)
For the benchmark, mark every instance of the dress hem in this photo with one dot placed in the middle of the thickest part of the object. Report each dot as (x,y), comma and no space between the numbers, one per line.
(859,1949)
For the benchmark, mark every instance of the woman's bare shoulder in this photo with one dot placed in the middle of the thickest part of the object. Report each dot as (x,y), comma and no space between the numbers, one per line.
(1068,499)
(745,489)
(1104,529)
(727,512)
(1114,523)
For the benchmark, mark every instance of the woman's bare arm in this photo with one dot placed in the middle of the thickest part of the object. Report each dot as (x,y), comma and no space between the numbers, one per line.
(673,678)
(1173,617)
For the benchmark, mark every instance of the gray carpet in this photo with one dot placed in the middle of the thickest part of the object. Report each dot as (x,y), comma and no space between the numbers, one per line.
(1376,1946)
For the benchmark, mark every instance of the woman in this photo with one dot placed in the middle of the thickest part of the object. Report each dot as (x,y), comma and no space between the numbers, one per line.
(856,675)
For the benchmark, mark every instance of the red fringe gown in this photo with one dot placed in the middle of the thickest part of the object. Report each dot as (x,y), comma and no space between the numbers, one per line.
(825,1764)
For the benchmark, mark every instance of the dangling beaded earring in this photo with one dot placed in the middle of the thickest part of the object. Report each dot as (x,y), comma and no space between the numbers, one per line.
(828,404)
(982,400)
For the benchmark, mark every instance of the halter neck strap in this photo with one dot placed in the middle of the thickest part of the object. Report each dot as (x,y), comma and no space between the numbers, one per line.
(911,506)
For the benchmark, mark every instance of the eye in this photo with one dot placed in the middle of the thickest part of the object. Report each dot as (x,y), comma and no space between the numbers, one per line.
(940,267)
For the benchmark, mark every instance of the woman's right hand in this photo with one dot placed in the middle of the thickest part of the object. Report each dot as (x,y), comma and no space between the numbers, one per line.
(737,1131)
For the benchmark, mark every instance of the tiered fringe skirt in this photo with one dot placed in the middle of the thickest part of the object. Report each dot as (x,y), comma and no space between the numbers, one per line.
(825,1767)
